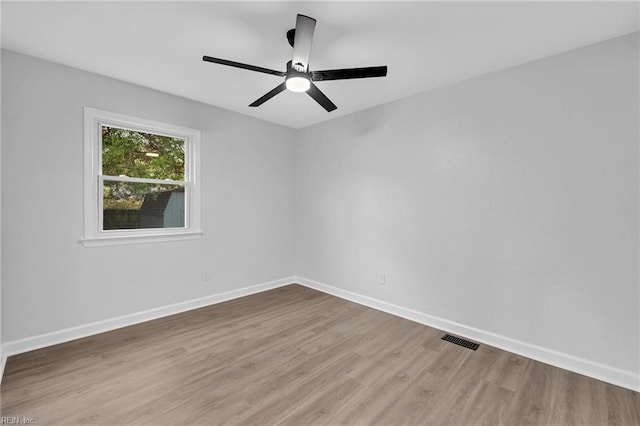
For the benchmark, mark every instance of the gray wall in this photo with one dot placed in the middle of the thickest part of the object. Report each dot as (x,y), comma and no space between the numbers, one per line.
(50,281)
(508,203)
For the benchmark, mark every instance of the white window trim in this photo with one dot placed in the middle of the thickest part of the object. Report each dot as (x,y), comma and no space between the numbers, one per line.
(93,233)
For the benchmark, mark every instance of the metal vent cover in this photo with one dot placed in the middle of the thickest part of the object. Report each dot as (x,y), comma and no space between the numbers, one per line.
(461,342)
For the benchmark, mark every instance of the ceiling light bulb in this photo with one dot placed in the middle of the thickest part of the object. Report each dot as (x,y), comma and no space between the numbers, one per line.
(298,84)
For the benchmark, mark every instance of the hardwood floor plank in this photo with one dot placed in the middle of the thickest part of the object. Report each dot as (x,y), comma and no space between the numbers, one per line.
(415,403)
(535,396)
(295,356)
(508,370)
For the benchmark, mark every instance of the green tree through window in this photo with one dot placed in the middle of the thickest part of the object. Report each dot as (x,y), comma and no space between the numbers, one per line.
(145,155)
(138,155)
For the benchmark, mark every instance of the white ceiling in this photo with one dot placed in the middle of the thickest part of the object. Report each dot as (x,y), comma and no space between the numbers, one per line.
(425,44)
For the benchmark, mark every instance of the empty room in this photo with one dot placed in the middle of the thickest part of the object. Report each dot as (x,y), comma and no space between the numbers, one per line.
(327,213)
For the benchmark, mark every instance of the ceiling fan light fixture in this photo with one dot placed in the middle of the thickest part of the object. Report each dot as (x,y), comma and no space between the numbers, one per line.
(298,84)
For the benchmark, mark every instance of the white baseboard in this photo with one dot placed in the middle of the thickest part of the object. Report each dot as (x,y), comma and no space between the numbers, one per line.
(73,333)
(626,379)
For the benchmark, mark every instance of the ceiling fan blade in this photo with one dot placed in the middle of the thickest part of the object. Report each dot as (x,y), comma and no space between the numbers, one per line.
(321,98)
(243,66)
(302,42)
(281,87)
(348,73)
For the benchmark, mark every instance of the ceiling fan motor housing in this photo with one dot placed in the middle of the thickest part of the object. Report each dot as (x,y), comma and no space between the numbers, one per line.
(297,71)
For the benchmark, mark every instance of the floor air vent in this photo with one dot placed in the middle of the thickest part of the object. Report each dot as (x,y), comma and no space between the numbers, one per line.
(459,341)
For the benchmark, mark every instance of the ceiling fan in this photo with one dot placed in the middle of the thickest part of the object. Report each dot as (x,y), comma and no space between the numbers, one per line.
(298,78)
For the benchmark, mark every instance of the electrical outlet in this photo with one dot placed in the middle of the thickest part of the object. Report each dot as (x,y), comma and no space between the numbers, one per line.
(381,278)
(206,275)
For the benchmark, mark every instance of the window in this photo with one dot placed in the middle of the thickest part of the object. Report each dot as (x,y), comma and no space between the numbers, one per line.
(141,180)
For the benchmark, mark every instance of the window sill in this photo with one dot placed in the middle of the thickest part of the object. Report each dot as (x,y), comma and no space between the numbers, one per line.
(139,239)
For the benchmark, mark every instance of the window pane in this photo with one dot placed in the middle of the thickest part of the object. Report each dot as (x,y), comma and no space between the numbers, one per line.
(128,205)
(142,155)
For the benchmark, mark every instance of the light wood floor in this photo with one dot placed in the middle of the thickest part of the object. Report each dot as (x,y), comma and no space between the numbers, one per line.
(296,356)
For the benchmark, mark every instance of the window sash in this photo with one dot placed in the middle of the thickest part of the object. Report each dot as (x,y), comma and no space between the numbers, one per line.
(144,129)
(187,204)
